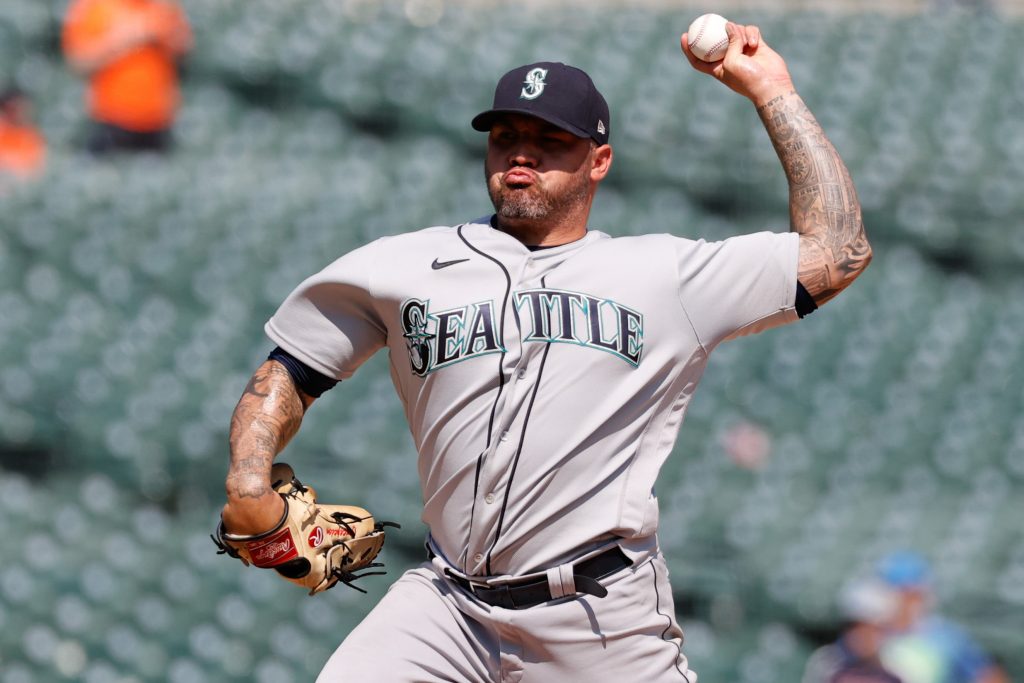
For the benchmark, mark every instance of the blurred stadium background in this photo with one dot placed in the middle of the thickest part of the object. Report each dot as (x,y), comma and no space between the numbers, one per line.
(133,292)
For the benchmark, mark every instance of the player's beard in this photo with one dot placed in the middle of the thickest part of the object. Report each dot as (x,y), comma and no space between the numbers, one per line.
(536,202)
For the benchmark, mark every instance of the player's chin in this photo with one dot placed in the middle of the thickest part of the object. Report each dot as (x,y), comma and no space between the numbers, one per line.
(530,211)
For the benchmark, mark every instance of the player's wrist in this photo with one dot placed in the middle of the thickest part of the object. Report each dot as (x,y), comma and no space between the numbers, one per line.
(771,89)
(247,516)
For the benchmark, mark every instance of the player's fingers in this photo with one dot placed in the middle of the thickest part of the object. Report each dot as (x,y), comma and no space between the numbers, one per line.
(744,38)
(753,37)
(737,40)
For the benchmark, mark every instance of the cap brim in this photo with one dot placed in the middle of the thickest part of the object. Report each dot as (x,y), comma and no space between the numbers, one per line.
(484,120)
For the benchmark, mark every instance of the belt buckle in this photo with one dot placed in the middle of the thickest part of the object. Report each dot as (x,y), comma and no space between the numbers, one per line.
(474,585)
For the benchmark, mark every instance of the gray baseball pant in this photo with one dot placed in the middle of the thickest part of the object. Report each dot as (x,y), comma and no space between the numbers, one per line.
(428,630)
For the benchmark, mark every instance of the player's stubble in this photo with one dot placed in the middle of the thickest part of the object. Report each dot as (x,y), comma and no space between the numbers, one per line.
(542,199)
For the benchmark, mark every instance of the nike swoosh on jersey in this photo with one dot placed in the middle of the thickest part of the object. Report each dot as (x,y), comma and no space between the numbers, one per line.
(438,265)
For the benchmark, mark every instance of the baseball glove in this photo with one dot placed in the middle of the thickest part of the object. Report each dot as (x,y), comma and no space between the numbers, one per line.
(314,546)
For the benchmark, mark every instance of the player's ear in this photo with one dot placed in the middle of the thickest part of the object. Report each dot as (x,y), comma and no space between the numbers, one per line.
(601,162)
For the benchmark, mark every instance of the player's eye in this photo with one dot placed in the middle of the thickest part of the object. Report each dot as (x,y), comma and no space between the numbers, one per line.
(555,141)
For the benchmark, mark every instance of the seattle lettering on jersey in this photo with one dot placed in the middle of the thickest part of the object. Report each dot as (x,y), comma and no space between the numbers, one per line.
(559,315)
(437,340)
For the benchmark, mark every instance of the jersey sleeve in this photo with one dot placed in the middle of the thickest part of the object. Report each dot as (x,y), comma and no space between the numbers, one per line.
(742,285)
(330,322)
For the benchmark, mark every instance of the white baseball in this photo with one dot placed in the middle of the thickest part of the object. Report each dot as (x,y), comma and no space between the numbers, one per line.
(707,38)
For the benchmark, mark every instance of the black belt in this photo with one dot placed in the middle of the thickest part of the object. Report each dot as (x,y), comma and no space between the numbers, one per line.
(530,592)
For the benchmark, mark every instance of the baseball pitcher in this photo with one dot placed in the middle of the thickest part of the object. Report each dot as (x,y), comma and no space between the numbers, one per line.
(545,369)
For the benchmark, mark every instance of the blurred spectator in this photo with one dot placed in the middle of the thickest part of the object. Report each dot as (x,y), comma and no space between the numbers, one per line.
(747,445)
(868,606)
(128,50)
(922,646)
(22,147)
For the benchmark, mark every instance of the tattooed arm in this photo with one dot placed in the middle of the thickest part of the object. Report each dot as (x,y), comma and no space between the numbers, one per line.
(266,418)
(823,204)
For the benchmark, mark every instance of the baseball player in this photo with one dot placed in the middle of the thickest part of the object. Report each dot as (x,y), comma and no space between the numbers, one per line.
(544,369)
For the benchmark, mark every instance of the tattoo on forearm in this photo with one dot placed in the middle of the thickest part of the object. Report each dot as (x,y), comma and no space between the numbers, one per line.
(246,476)
(267,416)
(824,207)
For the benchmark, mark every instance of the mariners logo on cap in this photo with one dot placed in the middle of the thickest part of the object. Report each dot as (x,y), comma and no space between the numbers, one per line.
(534,84)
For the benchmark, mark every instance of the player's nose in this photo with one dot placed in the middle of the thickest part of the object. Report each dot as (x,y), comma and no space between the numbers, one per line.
(522,156)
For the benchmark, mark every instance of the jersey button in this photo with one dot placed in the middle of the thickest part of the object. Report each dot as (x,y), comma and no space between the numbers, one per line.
(522,373)
(504,436)
(489,498)
(478,558)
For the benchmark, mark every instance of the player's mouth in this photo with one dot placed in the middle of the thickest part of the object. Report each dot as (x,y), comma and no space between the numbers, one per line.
(519,178)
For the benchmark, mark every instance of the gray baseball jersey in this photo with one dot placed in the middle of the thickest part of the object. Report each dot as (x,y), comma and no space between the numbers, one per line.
(543,389)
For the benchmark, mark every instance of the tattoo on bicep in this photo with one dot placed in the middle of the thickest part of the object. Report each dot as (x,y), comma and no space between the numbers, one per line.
(257,385)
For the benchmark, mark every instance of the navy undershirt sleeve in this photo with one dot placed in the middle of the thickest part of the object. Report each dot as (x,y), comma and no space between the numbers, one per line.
(311,382)
(805,304)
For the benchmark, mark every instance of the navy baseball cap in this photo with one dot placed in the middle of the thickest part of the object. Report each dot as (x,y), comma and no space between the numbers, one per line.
(560,94)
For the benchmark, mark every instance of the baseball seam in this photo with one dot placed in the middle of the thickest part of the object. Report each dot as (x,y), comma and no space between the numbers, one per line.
(724,43)
(700,32)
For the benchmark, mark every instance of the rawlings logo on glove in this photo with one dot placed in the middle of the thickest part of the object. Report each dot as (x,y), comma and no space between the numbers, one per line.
(314,546)
(275,550)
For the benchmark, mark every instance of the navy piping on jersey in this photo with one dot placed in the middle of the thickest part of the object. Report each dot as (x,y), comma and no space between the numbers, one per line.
(519,448)
(501,380)
(515,460)
(311,382)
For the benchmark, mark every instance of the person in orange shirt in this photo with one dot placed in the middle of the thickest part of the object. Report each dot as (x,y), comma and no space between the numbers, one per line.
(22,147)
(129,51)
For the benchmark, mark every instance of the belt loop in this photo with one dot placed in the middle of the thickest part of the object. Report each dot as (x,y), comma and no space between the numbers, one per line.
(506,598)
(568,577)
(561,581)
(555,583)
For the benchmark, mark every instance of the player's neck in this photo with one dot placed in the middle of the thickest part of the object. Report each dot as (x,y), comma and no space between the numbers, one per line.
(541,232)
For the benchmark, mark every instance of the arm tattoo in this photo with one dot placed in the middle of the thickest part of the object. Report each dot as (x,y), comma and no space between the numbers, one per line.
(267,416)
(823,204)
